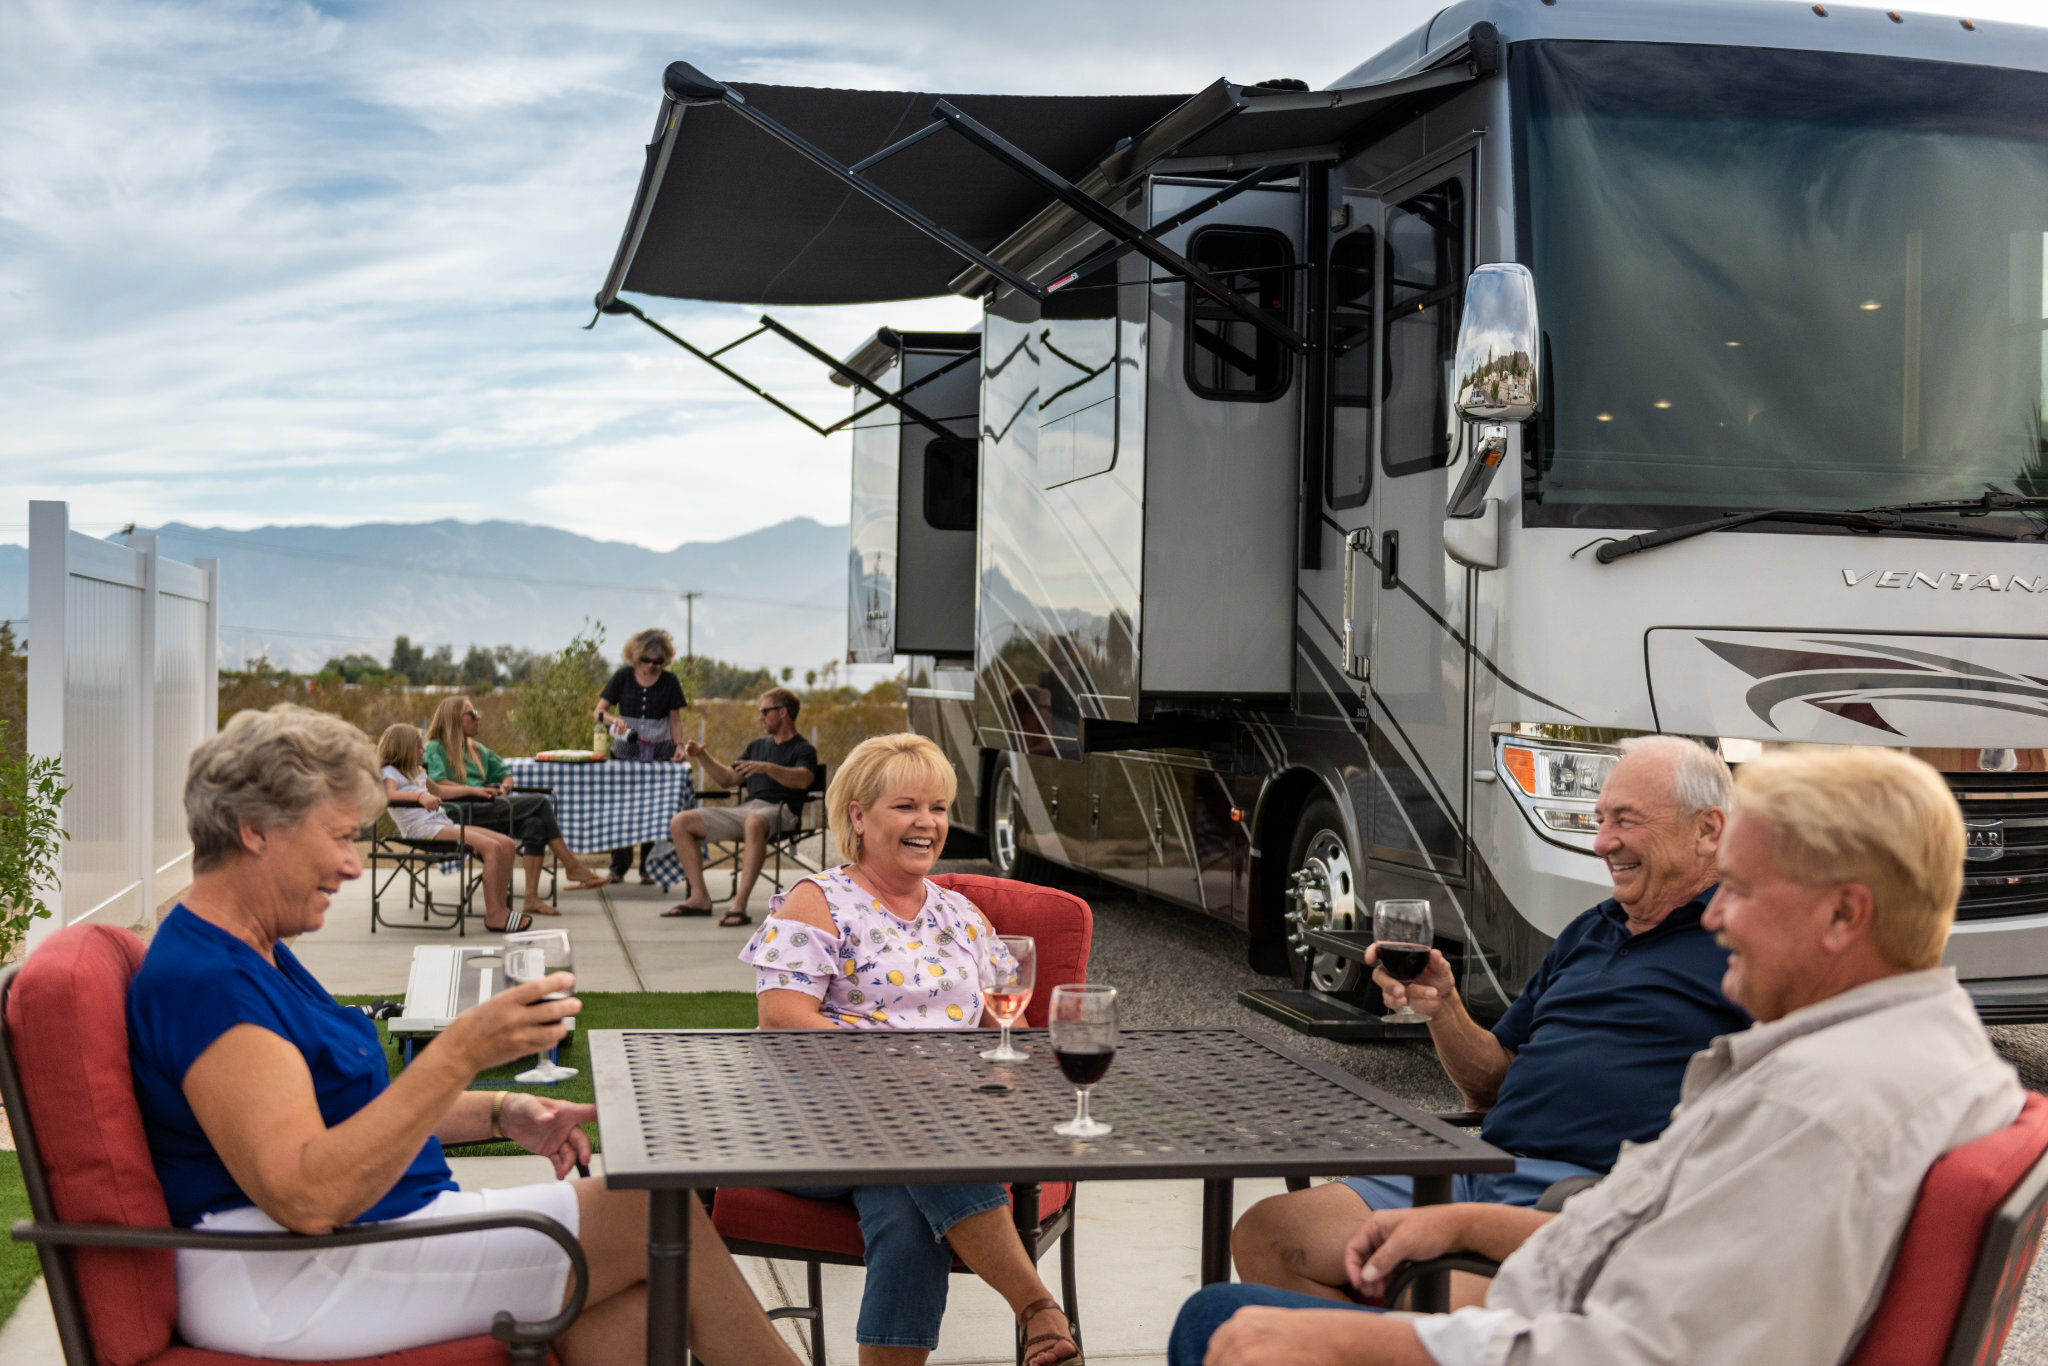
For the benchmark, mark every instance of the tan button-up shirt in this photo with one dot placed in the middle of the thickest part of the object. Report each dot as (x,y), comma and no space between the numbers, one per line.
(1759,1227)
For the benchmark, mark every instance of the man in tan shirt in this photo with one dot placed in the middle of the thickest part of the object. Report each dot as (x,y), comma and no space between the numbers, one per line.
(1795,1153)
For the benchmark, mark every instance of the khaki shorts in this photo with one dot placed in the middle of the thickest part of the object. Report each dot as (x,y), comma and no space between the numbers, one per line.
(728,824)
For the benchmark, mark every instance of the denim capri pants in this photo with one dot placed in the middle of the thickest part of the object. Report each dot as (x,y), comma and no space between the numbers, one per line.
(908,1258)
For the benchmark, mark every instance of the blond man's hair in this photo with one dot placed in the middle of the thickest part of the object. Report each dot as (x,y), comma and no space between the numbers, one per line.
(1875,816)
(403,748)
(267,770)
(787,700)
(637,643)
(884,763)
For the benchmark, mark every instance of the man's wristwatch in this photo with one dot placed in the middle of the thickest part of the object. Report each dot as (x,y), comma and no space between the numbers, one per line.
(498,1113)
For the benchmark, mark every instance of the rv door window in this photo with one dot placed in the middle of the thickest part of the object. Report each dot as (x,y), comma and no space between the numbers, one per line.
(1425,246)
(1353,258)
(1077,379)
(949,471)
(1227,358)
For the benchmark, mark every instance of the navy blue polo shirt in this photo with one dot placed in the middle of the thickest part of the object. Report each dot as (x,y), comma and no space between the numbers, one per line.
(1602,1033)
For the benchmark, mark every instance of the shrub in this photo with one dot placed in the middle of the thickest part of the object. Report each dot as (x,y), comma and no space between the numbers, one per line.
(554,703)
(31,799)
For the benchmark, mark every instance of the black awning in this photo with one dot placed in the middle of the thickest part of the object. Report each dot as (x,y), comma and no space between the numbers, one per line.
(740,218)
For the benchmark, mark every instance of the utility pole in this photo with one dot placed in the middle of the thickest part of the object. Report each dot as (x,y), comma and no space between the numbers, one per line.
(690,633)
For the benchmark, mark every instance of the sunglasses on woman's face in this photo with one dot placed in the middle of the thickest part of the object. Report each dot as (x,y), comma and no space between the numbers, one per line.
(656,660)
(472,715)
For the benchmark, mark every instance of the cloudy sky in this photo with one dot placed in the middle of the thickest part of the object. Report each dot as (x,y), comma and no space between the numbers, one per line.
(266,261)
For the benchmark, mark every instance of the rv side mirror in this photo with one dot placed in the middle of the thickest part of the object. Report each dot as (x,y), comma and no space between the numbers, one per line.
(1495,372)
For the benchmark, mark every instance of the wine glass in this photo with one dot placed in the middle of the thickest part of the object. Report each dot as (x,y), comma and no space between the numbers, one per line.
(1403,932)
(1084,1041)
(529,956)
(1009,991)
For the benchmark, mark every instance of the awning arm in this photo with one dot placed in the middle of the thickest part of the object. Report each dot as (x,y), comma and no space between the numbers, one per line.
(1115,224)
(1187,215)
(886,397)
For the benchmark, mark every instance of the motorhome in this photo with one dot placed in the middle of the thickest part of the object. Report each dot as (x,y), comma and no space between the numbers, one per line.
(1337,477)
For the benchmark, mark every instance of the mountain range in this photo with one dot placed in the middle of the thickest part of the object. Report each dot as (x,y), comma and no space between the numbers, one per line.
(301,594)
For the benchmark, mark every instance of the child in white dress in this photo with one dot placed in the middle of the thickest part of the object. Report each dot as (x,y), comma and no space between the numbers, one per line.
(415,806)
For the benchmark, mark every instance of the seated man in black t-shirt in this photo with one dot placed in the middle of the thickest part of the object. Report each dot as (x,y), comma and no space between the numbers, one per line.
(1589,1056)
(777,770)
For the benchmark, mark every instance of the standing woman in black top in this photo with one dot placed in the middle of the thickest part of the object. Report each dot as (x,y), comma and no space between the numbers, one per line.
(649,701)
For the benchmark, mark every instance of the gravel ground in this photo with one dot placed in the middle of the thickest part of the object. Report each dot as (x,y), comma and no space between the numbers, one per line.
(1175,968)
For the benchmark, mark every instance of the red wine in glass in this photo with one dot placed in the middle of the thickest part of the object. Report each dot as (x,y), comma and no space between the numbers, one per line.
(1404,962)
(1084,1066)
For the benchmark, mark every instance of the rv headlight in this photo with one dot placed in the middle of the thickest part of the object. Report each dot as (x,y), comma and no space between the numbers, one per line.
(1557,784)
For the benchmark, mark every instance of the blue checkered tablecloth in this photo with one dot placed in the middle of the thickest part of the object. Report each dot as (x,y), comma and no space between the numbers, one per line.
(614,804)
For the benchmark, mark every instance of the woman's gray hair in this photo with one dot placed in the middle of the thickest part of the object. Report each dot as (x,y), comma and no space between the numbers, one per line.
(267,770)
(1699,780)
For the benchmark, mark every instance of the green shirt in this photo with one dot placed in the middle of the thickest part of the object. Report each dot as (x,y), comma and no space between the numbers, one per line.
(495,770)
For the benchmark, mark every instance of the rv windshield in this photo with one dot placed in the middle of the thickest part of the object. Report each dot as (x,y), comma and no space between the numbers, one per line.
(1781,279)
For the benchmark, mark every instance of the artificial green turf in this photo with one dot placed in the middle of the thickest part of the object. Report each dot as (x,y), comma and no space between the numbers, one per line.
(18,1266)
(602,1010)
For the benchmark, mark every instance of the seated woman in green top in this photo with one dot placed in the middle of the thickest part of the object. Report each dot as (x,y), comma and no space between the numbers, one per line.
(485,786)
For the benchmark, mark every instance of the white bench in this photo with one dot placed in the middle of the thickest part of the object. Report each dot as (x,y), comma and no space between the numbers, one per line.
(446,980)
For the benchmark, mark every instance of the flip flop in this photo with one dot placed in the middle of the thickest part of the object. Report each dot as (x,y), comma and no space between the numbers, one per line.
(734,918)
(675,911)
(517,921)
(1046,1343)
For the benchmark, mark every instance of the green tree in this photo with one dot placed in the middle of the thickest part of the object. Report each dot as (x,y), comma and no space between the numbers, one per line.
(479,669)
(555,701)
(13,693)
(408,660)
(31,798)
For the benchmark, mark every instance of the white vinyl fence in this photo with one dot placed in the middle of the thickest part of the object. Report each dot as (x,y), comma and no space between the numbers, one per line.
(123,682)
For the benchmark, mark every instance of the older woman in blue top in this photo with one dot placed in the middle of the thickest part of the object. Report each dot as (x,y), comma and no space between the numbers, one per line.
(268,1106)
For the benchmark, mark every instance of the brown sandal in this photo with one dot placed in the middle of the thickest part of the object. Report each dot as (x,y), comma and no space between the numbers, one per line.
(1034,1347)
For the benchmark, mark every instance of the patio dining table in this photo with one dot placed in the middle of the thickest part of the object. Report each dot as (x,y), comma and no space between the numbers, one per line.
(682,1111)
(611,804)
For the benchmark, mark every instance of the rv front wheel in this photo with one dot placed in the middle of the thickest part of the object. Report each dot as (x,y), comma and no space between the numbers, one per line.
(1320,893)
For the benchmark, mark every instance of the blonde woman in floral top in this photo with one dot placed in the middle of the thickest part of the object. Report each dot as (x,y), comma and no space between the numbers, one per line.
(875,944)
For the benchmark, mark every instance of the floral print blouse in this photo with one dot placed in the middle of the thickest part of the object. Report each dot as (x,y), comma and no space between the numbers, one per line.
(878,971)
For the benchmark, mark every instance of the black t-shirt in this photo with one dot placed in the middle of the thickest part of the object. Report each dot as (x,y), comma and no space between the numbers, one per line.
(795,752)
(628,698)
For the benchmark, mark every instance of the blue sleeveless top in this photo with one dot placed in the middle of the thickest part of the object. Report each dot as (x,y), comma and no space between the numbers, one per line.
(196,983)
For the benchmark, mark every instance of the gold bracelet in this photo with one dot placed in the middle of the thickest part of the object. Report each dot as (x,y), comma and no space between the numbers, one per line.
(498,1114)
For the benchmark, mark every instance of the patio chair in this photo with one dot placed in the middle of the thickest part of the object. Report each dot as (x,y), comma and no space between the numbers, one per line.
(761,1222)
(810,823)
(100,1224)
(393,856)
(1962,1262)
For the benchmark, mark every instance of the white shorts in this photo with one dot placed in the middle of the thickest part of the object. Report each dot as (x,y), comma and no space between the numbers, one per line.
(387,1297)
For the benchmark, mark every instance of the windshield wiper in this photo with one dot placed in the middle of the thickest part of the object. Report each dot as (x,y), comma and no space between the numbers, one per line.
(1863,519)
(1990,501)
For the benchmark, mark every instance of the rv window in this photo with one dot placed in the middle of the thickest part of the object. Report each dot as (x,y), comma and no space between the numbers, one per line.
(1352,259)
(1228,358)
(1077,380)
(949,483)
(1425,247)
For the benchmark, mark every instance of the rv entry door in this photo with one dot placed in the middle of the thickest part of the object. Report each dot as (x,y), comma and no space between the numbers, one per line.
(1418,683)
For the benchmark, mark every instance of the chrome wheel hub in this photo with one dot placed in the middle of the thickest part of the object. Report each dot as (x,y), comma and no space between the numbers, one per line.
(1321,895)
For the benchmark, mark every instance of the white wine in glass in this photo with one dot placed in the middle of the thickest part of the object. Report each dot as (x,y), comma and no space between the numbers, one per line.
(1009,991)
(530,955)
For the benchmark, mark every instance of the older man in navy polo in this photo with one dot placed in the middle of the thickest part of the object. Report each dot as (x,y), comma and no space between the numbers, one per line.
(1590,1055)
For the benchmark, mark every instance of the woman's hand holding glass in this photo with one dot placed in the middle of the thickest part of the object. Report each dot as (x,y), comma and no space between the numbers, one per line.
(512,1023)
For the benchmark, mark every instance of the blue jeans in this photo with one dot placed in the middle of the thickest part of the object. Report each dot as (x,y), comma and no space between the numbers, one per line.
(1523,1186)
(908,1258)
(1208,1307)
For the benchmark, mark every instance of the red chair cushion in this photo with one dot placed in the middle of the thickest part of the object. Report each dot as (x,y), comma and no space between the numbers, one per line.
(463,1352)
(1963,1189)
(67,1018)
(1060,921)
(759,1214)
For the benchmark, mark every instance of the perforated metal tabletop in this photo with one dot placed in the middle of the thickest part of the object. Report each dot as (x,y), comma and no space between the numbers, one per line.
(705,1108)
(684,1110)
